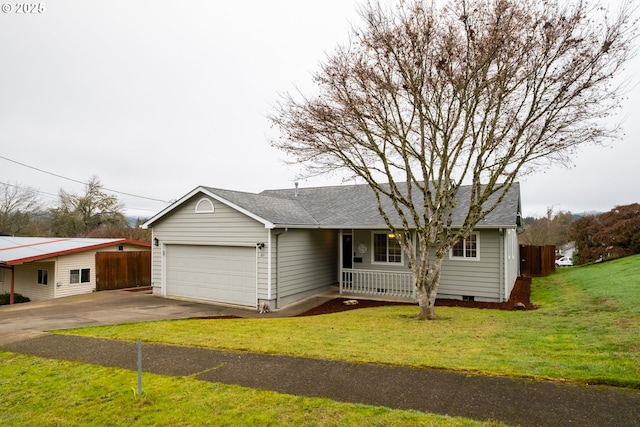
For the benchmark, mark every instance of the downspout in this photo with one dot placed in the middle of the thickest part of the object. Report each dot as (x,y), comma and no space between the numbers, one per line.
(278,267)
(507,246)
(269,265)
(503,266)
(163,270)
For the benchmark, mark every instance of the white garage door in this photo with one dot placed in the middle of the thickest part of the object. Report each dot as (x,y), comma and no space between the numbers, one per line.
(214,273)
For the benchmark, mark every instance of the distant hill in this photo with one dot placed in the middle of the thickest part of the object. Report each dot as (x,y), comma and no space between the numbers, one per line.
(587,213)
(133,220)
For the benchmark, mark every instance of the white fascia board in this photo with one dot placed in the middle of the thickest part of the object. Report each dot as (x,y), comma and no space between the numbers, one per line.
(299,226)
(170,208)
(173,206)
(267,224)
(491,226)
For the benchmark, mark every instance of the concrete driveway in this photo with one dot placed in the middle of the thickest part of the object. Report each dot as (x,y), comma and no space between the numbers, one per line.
(25,320)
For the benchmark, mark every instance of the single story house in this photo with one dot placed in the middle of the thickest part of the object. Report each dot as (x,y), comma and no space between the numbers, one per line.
(281,246)
(45,268)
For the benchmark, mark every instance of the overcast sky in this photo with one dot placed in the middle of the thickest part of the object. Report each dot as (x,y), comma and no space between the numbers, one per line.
(157,97)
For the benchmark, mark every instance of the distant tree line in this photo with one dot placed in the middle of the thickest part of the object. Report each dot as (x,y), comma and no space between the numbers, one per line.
(552,229)
(94,213)
(612,234)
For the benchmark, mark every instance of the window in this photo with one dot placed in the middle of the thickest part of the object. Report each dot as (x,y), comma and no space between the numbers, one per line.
(386,248)
(204,206)
(466,248)
(80,276)
(43,277)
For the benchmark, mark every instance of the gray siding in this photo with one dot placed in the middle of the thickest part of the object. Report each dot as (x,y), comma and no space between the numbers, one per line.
(298,263)
(223,227)
(481,278)
(478,278)
(512,259)
(365,237)
(308,263)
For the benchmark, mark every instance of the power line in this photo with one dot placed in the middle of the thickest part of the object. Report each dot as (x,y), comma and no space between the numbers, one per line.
(34,190)
(29,188)
(80,182)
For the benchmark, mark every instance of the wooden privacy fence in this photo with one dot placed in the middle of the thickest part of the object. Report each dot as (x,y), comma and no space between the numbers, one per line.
(537,260)
(119,270)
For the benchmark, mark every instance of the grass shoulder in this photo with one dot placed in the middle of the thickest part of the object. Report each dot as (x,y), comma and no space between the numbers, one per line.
(44,392)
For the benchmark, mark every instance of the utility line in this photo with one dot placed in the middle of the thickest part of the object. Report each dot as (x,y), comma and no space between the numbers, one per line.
(80,182)
(29,188)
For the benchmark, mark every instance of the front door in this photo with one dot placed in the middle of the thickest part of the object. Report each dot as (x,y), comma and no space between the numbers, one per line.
(347,251)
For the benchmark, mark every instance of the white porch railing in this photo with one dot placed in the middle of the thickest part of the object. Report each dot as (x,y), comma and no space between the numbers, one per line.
(379,283)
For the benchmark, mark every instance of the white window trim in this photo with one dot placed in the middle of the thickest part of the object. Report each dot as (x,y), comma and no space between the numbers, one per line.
(373,251)
(79,282)
(38,281)
(464,258)
(204,205)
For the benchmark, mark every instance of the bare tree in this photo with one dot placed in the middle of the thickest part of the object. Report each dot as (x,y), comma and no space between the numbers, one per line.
(78,215)
(476,93)
(18,205)
(552,229)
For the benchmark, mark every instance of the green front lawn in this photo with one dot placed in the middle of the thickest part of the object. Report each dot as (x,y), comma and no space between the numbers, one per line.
(587,329)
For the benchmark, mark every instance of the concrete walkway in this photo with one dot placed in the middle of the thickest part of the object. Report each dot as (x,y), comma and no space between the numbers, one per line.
(512,401)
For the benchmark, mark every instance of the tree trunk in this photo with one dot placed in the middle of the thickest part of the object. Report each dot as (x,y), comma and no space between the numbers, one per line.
(426,291)
(427,303)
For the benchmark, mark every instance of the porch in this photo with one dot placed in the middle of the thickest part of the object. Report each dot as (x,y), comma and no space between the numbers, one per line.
(384,284)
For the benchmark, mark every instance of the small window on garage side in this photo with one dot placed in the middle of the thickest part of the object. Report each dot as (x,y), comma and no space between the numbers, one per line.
(204,206)
(43,277)
(80,276)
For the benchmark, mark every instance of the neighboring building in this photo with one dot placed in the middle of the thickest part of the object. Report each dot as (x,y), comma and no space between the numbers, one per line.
(45,268)
(281,246)
(566,250)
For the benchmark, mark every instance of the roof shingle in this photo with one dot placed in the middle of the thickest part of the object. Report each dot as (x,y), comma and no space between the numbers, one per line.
(349,206)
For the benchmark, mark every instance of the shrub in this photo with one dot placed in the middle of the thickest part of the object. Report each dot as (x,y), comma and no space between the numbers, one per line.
(4,298)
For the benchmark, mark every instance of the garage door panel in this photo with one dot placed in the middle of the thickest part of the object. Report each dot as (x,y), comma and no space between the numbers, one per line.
(214,273)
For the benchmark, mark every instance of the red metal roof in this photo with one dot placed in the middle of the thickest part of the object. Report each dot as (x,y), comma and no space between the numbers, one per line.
(19,250)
